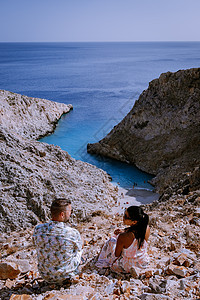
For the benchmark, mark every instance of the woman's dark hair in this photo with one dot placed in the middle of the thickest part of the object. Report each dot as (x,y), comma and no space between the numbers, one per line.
(136,213)
(59,205)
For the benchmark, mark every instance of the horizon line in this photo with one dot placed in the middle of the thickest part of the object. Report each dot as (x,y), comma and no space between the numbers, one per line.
(169,41)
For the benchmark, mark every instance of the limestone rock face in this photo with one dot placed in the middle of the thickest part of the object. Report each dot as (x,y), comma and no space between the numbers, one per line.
(32,173)
(29,117)
(161,134)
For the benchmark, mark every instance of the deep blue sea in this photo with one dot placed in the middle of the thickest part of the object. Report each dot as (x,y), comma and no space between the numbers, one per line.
(101,81)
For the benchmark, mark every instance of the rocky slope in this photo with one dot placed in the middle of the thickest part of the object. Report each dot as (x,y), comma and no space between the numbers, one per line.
(34,173)
(161,134)
(173,273)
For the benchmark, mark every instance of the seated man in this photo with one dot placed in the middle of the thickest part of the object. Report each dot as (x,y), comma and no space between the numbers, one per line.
(59,247)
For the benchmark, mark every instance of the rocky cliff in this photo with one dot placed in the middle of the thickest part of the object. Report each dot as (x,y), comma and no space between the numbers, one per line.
(32,174)
(161,134)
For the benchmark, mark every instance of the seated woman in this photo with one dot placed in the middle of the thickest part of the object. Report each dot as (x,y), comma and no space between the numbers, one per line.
(128,248)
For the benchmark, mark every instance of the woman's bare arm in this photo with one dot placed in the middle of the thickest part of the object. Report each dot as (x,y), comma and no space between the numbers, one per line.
(147,234)
(119,245)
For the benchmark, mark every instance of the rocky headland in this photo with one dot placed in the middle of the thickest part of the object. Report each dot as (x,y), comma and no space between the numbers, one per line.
(161,133)
(33,173)
(29,117)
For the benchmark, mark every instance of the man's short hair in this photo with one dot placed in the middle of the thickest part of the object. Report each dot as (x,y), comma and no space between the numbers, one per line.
(59,205)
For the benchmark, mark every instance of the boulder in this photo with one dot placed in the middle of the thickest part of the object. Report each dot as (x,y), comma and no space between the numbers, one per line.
(21,297)
(148,296)
(9,270)
(23,265)
(177,270)
(55,296)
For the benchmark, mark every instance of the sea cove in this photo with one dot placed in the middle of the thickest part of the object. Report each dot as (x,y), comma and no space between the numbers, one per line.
(101,81)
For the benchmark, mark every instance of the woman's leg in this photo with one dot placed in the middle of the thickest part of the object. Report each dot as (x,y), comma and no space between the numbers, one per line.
(107,254)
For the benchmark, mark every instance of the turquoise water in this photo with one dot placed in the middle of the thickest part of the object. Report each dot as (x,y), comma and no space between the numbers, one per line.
(101,81)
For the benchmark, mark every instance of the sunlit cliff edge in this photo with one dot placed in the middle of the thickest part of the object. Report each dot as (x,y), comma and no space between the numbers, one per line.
(161,133)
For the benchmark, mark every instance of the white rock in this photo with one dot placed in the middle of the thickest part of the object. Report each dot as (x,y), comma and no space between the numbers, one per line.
(147,296)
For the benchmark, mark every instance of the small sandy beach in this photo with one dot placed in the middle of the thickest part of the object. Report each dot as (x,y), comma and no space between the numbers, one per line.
(134,196)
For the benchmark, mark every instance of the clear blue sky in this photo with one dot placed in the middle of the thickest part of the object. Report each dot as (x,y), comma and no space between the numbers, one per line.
(99,20)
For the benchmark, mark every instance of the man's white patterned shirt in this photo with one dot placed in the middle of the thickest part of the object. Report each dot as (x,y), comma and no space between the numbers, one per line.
(59,250)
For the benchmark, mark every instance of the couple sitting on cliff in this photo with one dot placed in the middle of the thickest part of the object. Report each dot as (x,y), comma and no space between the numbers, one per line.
(59,247)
